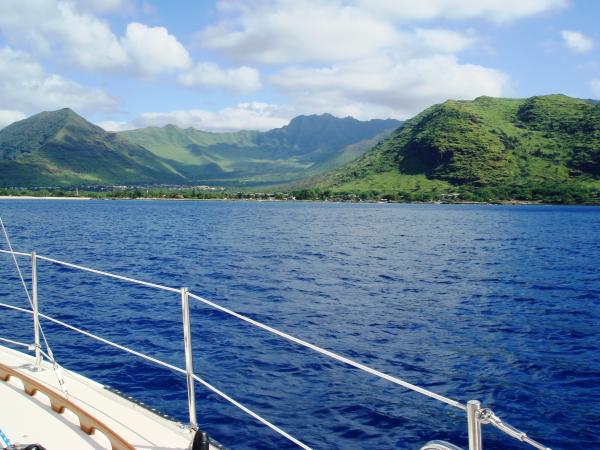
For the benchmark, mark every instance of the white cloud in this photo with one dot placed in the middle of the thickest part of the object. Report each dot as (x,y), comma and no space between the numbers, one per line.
(242,79)
(244,116)
(352,58)
(441,41)
(297,31)
(152,50)
(370,88)
(87,41)
(115,125)
(595,85)
(25,86)
(577,41)
(491,10)
(8,116)
(313,31)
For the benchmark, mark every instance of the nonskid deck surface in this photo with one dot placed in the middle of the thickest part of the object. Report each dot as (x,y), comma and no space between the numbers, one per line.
(29,419)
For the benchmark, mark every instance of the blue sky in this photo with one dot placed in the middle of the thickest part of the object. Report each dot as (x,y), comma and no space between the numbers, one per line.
(255,64)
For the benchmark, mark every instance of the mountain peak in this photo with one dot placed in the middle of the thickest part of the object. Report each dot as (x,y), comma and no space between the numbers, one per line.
(314,119)
(325,120)
(316,132)
(61,147)
(58,119)
(30,134)
(63,112)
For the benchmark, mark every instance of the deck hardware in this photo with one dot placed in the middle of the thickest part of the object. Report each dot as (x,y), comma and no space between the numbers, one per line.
(474,425)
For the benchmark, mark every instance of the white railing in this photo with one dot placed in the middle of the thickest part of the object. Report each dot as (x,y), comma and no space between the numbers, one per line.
(476,415)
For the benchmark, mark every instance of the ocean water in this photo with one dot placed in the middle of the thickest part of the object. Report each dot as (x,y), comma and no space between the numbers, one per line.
(495,303)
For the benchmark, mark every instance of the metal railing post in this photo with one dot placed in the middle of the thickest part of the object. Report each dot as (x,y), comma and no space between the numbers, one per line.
(474,425)
(189,363)
(36,318)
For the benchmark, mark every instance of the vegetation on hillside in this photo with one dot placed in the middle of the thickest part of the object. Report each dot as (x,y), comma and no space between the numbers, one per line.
(307,146)
(557,194)
(60,148)
(491,149)
(541,148)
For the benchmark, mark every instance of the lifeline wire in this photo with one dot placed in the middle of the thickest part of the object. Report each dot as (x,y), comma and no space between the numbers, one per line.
(335,356)
(171,367)
(489,416)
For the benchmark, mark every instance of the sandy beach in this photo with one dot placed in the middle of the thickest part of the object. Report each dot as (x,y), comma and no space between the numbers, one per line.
(31,197)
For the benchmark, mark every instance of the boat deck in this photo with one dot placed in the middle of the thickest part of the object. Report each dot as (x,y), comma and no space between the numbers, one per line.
(30,419)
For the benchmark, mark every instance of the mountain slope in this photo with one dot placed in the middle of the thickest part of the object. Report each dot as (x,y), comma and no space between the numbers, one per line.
(62,148)
(308,145)
(501,147)
(178,144)
(320,137)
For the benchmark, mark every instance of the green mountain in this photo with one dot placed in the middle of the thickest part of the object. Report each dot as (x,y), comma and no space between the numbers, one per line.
(544,147)
(307,146)
(61,148)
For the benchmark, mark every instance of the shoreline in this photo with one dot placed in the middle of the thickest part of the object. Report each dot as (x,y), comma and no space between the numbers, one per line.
(33,197)
(491,203)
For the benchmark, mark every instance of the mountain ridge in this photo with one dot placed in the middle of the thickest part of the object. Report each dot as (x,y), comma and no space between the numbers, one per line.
(309,144)
(61,148)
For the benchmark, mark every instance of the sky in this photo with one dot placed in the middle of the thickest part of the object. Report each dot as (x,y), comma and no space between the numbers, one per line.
(228,65)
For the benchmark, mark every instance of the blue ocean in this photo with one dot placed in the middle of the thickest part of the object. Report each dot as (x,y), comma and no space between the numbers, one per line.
(495,303)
